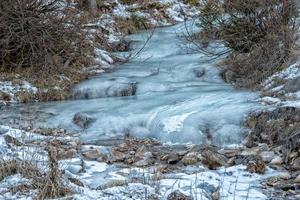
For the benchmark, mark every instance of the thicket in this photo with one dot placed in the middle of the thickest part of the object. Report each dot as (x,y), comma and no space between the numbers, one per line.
(39,34)
(259,36)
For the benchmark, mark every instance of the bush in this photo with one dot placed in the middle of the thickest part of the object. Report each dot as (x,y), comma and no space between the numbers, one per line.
(39,34)
(259,34)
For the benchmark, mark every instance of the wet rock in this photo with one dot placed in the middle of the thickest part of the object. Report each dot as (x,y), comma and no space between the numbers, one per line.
(256,165)
(199,72)
(267,156)
(83,120)
(92,154)
(177,195)
(173,159)
(191,158)
(213,159)
(110,88)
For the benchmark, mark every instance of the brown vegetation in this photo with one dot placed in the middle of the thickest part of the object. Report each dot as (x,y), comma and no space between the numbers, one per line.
(259,35)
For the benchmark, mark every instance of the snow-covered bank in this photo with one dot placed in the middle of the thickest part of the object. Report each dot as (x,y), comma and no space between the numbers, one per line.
(90,178)
(283,88)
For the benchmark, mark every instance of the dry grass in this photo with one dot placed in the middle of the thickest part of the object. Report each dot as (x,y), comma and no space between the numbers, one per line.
(48,184)
(260,36)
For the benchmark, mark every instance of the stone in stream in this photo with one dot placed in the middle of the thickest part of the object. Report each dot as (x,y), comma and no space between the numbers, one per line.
(83,120)
(199,72)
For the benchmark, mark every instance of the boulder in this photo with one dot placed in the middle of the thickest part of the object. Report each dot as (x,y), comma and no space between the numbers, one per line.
(83,120)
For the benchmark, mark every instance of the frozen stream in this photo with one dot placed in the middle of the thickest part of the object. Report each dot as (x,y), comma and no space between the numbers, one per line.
(179,98)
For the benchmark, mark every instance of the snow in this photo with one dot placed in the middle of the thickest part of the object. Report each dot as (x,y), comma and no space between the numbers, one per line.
(277,83)
(12,89)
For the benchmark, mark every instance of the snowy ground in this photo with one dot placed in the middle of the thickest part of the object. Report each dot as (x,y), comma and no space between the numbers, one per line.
(283,88)
(103,181)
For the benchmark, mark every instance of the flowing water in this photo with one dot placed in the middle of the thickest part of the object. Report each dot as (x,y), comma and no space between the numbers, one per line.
(176,97)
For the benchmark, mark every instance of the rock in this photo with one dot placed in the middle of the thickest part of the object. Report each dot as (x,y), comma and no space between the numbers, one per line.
(17,81)
(295,165)
(215,195)
(83,120)
(147,160)
(284,175)
(140,152)
(66,154)
(212,159)
(256,165)
(199,72)
(5,96)
(92,154)
(173,159)
(73,144)
(119,156)
(191,158)
(76,182)
(177,195)
(267,156)
(297,179)
(250,152)
(276,161)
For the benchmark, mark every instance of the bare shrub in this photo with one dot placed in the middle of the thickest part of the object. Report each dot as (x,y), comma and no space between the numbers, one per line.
(259,35)
(39,34)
